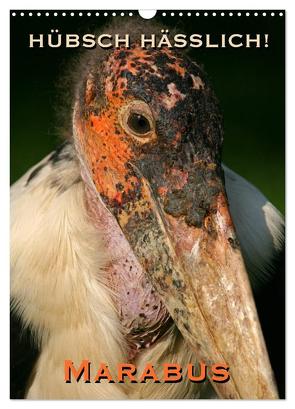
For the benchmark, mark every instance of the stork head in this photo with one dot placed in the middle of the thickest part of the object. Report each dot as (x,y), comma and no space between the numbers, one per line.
(149,133)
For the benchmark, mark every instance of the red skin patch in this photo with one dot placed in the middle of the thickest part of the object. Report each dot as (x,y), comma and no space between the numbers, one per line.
(105,144)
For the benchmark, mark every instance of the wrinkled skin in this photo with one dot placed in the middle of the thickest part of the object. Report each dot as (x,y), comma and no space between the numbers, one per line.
(161,193)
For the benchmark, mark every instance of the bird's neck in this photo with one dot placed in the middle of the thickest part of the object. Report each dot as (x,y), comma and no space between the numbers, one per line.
(142,314)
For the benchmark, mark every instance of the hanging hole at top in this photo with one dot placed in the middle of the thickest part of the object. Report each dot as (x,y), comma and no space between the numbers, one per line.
(147,14)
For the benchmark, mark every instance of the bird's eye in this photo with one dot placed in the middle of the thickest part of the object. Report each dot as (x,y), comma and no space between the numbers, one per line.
(136,118)
(138,123)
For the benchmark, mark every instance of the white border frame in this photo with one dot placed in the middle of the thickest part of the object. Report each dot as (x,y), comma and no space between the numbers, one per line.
(4,180)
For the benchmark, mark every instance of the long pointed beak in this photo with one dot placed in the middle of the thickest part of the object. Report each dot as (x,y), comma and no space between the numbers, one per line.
(198,270)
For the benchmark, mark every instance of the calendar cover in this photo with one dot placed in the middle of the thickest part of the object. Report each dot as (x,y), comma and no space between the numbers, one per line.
(147,202)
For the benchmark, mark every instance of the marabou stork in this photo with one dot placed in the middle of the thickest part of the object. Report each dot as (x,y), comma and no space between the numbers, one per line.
(128,241)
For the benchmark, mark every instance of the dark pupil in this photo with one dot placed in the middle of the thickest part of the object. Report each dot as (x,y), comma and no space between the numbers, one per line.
(138,123)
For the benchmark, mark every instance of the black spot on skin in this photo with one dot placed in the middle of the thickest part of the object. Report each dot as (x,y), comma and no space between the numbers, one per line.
(122,63)
(155,307)
(119,187)
(122,54)
(162,59)
(142,315)
(124,73)
(194,200)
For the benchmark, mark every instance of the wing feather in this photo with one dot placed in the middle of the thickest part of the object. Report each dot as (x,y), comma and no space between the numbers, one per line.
(259,226)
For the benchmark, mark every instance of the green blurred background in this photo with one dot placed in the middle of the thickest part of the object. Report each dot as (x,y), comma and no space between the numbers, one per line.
(249,84)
